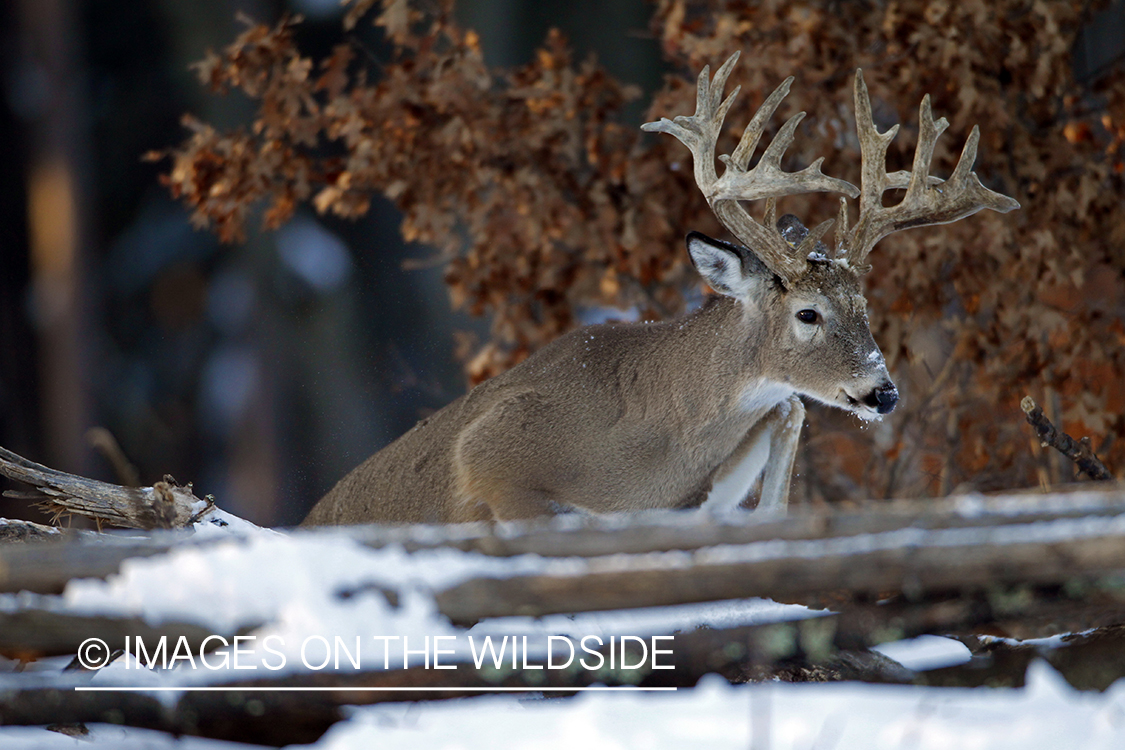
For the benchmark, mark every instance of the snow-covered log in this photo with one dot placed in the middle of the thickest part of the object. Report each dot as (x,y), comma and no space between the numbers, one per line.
(912,561)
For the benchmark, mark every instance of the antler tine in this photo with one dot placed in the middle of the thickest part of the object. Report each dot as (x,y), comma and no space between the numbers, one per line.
(928,200)
(842,229)
(737,183)
(873,151)
(700,132)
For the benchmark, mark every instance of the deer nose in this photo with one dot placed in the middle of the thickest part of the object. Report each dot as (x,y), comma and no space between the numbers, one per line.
(883,398)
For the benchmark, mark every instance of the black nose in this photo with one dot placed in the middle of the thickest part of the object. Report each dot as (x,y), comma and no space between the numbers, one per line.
(883,398)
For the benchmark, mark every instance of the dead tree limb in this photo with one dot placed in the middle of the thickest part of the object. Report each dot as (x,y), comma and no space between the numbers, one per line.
(165,505)
(1078,451)
(1087,661)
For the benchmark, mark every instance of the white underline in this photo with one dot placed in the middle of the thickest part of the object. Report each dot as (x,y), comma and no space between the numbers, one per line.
(287,689)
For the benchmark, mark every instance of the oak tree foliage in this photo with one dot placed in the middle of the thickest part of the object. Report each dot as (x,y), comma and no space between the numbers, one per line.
(542,200)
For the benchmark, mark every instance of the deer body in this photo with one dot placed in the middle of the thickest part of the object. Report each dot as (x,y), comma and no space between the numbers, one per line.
(694,411)
(519,445)
(608,418)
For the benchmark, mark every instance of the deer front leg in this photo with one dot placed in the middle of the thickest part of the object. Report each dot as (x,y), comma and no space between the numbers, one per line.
(767,451)
(785,423)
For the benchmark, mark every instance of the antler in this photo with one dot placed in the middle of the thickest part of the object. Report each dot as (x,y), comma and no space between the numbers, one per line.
(766,180)
(928,199)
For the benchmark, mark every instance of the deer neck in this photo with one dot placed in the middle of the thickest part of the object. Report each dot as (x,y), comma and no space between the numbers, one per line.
(725,341)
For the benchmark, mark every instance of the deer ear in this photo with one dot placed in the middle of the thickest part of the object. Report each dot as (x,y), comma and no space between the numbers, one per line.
(729,269)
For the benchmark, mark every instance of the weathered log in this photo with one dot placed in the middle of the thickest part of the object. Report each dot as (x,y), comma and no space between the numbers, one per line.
(46,568)
(32,632)
(670,530)
(14,530)
(62,705)
(912,561)
(24,568)
(165,505)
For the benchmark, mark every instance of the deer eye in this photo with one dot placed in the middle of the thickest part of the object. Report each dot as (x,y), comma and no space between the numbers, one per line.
(808,316)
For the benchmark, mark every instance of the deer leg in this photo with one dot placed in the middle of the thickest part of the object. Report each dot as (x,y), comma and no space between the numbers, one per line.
(736,476)
(785,423)
(767,452)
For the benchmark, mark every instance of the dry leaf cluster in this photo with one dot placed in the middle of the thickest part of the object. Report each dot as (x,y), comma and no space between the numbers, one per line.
(544,202)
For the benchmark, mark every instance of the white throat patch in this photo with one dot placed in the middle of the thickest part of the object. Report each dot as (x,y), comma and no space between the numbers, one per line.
(762,395)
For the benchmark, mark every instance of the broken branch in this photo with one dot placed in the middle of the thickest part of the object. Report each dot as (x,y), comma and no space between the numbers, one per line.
(1078,451)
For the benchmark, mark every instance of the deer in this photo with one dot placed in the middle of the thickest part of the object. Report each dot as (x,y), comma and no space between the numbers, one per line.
(693,412)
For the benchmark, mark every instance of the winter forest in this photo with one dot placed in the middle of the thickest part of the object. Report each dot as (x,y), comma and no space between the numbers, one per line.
(249,244)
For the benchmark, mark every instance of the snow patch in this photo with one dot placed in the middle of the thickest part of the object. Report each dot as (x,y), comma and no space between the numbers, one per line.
(926,652)
(1046,715)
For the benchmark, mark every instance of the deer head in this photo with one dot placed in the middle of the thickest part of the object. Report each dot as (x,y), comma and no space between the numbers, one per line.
(807,296)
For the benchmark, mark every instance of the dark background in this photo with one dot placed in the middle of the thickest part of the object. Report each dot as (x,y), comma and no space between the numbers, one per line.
(261,372)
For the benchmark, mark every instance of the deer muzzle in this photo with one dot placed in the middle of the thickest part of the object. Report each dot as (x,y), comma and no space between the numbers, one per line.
(883,398)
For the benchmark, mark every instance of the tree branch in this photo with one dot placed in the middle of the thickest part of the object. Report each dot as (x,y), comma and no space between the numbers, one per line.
(1078,451)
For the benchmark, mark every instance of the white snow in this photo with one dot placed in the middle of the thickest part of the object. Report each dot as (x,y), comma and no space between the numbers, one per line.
(109,737)
(217,523)
(926,652)
(1046,715)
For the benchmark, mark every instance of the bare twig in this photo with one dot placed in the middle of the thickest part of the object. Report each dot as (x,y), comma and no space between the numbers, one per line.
(103,441)
(1078,451)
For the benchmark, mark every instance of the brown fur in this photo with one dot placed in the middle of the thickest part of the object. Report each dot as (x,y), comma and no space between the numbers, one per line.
(623,417)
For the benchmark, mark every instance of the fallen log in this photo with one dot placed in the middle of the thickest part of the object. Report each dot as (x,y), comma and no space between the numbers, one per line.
(33,633)
(914,562)
(299,708)
(86,555)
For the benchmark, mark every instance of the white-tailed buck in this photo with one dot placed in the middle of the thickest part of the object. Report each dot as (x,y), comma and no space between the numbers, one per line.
(629,417)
